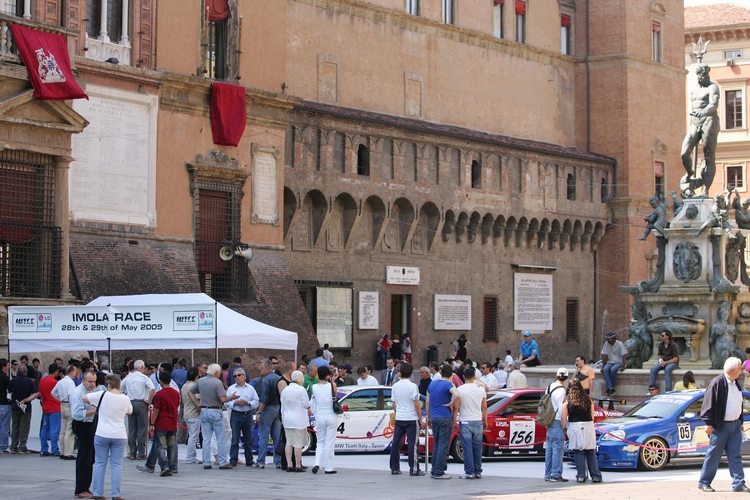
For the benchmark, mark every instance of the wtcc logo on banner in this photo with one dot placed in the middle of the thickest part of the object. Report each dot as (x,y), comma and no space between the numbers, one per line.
(193,320)
(41,322)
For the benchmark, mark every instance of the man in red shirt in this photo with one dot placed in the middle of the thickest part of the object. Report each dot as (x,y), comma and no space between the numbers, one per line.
(164,426)
(51,417)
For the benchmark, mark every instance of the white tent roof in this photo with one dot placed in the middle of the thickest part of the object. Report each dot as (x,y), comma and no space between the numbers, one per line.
(234,330)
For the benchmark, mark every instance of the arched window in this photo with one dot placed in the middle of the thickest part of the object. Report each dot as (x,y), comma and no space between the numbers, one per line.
(363,160)
(476,175)
(571,187)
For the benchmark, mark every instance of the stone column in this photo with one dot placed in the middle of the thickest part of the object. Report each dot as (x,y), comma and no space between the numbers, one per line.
(62,220)
(103,23)
(26,9)
(124,40)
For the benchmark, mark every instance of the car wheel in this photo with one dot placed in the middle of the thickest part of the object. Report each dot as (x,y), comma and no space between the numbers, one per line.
(457,451)
(650,459)
(311,442)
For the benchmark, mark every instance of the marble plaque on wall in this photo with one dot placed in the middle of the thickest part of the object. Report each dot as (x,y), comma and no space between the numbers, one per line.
(265,184)
(113,175)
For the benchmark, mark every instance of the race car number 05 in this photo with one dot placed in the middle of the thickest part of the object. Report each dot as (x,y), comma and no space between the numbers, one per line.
(683,430)
(522,434)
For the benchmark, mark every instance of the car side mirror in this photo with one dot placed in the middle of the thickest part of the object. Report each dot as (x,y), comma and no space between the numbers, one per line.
(507,411)
(690,415)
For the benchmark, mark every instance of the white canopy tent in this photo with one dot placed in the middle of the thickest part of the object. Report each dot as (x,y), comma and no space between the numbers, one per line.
(95,326)
(233,330)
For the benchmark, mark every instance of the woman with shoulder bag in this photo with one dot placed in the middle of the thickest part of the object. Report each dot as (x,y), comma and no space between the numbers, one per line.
(111,438)
(325,421)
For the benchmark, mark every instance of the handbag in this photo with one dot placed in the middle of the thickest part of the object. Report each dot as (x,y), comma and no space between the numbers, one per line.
(336,405)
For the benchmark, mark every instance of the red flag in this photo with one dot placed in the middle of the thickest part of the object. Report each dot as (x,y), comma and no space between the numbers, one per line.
(228,113)
(47,62)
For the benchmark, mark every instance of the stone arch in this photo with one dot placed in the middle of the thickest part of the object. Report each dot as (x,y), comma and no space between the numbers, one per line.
(473,229)
(343,215)
(510,230)
(290,207)
(427,224)
(461,224)
(399,225)
(532,233)
(575,238)
(373,216)
(588,230)
(521,229)
(487,222)
(567,231)
(498,228)
(555,234)
(449,225)
(544,229)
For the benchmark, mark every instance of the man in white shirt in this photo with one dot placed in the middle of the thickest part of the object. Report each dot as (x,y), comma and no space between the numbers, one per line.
(61,392)
(472,416)
(553,453)
(435,371)
(516,379)
(139,388)
(365,378)
(405,397)
(722,412)
(501,375)
(489,379)
(241,419)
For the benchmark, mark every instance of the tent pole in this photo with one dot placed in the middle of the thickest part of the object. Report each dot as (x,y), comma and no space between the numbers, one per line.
(192,357)
(109,347)
(216,329)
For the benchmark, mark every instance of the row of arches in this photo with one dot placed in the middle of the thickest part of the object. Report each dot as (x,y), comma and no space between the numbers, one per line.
(392,225)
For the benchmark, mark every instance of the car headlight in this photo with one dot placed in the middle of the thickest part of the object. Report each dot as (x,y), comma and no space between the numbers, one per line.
(615,435)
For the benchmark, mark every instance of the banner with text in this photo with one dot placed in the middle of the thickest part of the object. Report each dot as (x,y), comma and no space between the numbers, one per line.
(532,305)
(125,326)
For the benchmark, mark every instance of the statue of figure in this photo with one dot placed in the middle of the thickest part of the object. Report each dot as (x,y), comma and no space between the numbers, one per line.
(676,204)
(656,219)
(723,337)
(641,342)
(740,209)
(704,124)
(719,216)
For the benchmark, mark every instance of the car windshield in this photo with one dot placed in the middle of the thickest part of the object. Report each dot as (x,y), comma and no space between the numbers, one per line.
(496,401)
(659,407)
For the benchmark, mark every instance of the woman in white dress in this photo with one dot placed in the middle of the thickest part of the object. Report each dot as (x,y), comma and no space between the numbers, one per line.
(295,410)
(325,421)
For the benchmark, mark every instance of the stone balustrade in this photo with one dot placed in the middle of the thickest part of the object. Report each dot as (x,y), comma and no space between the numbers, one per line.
(8,51)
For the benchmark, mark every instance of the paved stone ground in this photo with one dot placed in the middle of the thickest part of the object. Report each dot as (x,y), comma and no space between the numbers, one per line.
(33,477)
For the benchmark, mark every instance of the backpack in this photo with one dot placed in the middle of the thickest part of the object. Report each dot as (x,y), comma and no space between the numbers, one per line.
(546,410)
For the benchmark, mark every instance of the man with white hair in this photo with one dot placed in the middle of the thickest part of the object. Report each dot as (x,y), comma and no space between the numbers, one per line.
(241,419)
(722,412)
(516,379)
(139,388)
(212,397)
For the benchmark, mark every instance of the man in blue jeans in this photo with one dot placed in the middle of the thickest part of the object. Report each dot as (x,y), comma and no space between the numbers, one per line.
(212,398)
(269,413)
(669,360)
(614,357)
(163,423)
(553,453)
(472,423)
(4,406)
(440,416)
(722,412)
(241,418)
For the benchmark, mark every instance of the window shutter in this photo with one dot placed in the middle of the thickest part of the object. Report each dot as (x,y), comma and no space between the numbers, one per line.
(564,20)
(520,7)
(655,26)
(213,224)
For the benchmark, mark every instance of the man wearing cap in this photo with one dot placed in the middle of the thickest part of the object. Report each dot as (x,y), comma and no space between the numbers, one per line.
(553,453)
(516,379)
(345,373)
(529,351)
(614,358)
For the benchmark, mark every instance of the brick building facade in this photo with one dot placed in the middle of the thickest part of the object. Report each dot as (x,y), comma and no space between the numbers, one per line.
(475,140)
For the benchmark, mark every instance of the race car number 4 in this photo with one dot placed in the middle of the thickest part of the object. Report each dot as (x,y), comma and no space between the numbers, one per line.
(522,434)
